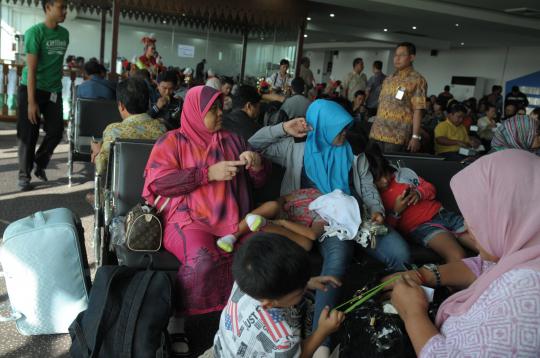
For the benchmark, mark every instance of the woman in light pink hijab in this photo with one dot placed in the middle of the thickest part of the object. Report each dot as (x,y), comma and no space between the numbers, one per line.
(498,311)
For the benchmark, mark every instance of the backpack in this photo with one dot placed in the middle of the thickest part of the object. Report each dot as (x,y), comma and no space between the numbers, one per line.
(274,115)
(127,315)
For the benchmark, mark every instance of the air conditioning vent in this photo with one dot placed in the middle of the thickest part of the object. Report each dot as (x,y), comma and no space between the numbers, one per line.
(524,11)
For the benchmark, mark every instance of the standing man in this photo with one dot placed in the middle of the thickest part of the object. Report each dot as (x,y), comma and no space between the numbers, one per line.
(280,82)
(401,105)
(199,71)
(373,89)
(306,74)
(40,92)
(355,81)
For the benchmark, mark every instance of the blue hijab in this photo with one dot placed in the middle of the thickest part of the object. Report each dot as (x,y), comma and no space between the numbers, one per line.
(325,164)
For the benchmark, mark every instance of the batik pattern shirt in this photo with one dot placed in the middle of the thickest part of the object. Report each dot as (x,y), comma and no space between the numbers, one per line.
(248,330)
(394,120)
(139,126)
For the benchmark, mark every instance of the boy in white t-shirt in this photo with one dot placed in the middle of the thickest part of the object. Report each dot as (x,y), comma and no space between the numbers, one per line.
(265,313)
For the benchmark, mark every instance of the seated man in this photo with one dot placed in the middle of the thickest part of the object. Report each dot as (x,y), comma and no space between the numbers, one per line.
(242,120)
(488,124)
(266,315)
(96,86)
(296,105)
(359,106)
(132,96)
(167,108)
(451,135)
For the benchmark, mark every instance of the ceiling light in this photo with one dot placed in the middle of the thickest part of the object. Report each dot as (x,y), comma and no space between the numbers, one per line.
(164,21)
(457,25)
(332,15)
(463,44)
(414,27)
(305,35)
(385,30)
(308,18)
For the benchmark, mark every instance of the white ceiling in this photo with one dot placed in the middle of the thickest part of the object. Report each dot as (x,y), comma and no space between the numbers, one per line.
(482,23)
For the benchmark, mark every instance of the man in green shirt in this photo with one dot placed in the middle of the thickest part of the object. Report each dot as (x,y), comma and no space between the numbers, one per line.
(40,92)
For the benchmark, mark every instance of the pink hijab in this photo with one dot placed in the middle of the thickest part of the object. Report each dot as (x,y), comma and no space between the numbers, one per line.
(502,209)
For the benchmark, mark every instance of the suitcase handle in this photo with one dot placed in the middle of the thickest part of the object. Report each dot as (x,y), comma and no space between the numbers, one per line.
(39,218)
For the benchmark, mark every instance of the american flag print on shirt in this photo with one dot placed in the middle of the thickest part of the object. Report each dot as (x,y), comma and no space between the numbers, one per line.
(231,318)
(273,320)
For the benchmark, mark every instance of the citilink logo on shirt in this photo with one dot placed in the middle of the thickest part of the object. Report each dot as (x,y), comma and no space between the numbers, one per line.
(56,47)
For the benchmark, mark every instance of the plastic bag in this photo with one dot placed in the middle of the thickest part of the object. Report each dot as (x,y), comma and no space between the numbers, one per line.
(369,332)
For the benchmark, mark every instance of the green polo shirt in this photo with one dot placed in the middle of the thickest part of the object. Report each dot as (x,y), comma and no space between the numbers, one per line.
(50,46)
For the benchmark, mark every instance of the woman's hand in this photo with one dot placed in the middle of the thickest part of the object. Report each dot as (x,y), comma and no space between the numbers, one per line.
(409,298)
(225,170)
(297,127)
(252,160)
(321,283)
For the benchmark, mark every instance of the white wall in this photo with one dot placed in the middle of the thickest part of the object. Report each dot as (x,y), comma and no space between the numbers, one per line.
(486,63)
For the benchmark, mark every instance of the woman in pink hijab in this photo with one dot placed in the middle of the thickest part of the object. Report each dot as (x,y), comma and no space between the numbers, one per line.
(207,173)
(498,311)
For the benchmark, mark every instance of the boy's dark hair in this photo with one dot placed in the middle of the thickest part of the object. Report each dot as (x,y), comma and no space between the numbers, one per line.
(246,94)
(284,62)
(270,266)
(377,64)
(360,93)
(357,61)
(44,4)
(490,105)
(411,49)
(447,88)
(456,107)
(168,76)
(92,68)
(298,85)
(378,164)
(227,80)
(133,94)
(358,138)
(515,89)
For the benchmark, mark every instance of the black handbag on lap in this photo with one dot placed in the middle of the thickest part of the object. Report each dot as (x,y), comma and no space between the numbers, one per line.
(143,227)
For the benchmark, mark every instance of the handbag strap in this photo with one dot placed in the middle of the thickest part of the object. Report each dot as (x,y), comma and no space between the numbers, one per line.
(162,207)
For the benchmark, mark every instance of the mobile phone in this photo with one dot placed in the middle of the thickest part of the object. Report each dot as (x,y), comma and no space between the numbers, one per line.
(407,191)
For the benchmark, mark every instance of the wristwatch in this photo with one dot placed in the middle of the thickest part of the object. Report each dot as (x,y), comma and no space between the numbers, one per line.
(435,269)
(416,136)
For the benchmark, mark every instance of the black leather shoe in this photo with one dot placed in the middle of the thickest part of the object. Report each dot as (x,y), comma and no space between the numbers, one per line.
(40,174)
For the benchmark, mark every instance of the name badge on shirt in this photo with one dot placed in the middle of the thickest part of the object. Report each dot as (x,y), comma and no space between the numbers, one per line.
(400,93)
(54,97)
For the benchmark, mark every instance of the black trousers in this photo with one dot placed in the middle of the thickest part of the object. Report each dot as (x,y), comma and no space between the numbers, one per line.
(28,133)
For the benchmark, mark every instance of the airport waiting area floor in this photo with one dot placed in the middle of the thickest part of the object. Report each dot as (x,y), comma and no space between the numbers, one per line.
(55,193)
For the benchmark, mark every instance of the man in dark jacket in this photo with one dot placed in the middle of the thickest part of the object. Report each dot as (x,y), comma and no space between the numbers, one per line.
(242,120)
(167,108)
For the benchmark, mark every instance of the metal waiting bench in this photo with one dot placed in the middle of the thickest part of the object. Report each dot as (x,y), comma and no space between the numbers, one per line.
(122,189)
(90,118)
